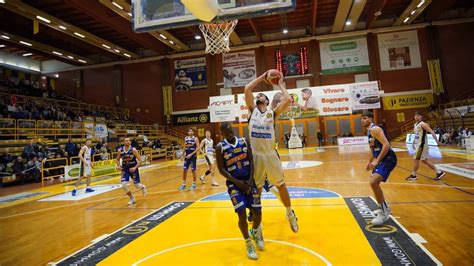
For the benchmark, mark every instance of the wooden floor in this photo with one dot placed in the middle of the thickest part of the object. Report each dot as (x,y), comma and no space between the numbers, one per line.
(37,232)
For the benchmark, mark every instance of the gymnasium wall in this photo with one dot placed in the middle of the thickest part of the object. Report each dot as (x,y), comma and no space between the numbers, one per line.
(140,85)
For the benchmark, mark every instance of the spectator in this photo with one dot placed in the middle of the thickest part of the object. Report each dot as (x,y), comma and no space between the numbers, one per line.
(104,155)
(19,168)
(156,144)
(28,150)
(70,147)
(135,144)
(320,138)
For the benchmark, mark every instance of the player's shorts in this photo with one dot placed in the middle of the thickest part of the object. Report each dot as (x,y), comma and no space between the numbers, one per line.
(267,165)
(190,163)
(85,170)
(209,159)
(126,176)
(421,152)
(386,166)
(242,200)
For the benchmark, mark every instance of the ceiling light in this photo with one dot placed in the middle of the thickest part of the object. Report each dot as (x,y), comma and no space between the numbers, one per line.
(43,19)
(56,75)
(70,57)
(127,55)
(405,21)
(413,12)
(2,45)
(82,61)
(420,4)
(378,13)
(163,36)
(117,5)
(171,42)
(78,34)
(106,46)
(2,1)
(26,43)
(27,54)
(57,53)
(5,37)
(62,27)
(130,14)
(285,31)
(117,50)
(348,22)
(197,37)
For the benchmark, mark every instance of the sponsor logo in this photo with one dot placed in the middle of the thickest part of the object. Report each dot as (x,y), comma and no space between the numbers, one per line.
(329,91)
(269,115)
(390,243)
(219,103)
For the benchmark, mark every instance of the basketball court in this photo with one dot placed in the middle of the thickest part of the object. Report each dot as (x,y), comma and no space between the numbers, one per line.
(431,220)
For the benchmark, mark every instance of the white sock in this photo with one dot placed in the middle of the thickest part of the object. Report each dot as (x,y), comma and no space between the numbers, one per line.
(413,173)
(437,170)
(288,211)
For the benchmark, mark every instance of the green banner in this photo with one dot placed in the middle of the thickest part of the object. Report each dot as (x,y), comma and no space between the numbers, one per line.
(104,167)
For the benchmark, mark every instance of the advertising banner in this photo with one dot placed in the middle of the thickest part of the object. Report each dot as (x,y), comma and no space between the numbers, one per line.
(239,68)
(399,50)
(407,101)
(344,56)
(190,74)
(365,95)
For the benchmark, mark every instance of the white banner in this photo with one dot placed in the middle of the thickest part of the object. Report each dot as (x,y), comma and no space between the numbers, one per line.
(344,56)
(239,68)
(399,50)
(365,95)
(72,171)
(222,108)
(101,131)
(89,129)
(352,141)
(431,142)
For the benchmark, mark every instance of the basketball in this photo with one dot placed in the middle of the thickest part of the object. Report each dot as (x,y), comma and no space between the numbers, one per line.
(273,77)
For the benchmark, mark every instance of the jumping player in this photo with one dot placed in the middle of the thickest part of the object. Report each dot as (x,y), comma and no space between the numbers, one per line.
(207,148)
(382,161)
(262,138)
(189,157)
(420,145)
(131,160)
(234,160)
(86,167)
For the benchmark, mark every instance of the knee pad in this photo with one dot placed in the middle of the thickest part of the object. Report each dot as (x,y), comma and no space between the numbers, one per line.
(125,187)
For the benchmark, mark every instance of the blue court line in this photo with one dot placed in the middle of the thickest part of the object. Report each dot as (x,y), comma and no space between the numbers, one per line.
(102,203)
(439,181)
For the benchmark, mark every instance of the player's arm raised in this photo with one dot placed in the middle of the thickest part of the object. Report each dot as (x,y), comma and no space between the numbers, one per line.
(139,160)
(285,99)
(427,127)
(250,157)
(249,99)
(378,134)
(225,173)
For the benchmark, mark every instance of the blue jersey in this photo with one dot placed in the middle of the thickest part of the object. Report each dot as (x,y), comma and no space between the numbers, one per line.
(189,144)
(128,158)
(236,160)
(377,145)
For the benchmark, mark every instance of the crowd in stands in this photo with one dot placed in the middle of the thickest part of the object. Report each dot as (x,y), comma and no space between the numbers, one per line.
(12,107)
(452,136)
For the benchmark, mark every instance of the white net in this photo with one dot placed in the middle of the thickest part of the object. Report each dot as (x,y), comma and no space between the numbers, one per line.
(217,36)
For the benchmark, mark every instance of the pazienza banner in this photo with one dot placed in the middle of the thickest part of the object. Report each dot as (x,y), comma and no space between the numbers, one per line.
(344,56)
(407,101)
(399,50)
(190,74)
(239,68)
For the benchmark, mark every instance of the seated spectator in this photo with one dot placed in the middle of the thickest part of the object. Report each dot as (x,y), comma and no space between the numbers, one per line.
(156,144)
(70,148)
(19,168)
(29,150)
(104,154)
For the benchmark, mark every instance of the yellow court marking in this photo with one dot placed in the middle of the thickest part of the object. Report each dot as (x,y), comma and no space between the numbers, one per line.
(206,233)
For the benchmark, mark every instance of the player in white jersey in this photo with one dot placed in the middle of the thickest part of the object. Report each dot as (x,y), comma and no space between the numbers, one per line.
(420,145)
(207,148)
(262,138)
(86,167)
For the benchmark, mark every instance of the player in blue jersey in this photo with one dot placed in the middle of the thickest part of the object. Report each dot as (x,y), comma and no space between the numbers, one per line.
(191,144)
(382,161)
(131,160)
(235,163)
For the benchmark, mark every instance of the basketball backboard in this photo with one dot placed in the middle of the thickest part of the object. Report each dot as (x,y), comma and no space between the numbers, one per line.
(151,15)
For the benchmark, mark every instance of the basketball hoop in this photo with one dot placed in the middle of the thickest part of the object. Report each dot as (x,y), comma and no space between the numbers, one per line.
(217,36)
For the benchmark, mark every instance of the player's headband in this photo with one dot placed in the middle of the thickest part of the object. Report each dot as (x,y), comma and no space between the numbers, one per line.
(262,94)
